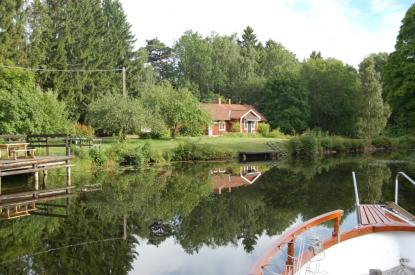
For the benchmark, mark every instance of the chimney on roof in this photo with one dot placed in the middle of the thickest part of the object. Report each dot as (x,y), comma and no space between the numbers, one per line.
(229,101)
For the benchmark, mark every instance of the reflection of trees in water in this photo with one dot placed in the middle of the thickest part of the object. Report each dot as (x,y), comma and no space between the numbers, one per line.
(370,181)
(103,257)
(19,237)
(178,202)
(222,220)
(61,237)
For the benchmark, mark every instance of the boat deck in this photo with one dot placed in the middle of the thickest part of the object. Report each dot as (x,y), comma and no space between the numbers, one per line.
(390,214)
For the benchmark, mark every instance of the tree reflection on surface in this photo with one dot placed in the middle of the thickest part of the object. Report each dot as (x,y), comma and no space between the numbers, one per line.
(190,204)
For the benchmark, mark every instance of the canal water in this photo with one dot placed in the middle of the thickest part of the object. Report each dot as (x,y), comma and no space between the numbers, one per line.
(206,218)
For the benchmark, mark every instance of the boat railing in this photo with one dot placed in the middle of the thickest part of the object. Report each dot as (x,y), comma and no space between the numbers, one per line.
(290,237)
(356,193)
(397,184)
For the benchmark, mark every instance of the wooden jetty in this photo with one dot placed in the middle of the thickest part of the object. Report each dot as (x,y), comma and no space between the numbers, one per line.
(36,202)
(258,156)
(36,164)
(275,153)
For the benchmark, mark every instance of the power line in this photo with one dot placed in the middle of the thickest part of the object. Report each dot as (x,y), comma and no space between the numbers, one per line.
(62,247)
(59,70)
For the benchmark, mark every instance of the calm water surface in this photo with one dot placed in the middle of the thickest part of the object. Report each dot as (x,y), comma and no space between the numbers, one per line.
(214,218)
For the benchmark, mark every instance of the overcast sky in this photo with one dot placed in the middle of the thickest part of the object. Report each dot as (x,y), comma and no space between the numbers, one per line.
(345,29)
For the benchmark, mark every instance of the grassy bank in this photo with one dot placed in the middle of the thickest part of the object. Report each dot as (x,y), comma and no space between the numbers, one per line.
(137,152)
(233,144)
(312,144)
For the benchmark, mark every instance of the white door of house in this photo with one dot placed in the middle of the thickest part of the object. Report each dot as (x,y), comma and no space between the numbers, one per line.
(250,126)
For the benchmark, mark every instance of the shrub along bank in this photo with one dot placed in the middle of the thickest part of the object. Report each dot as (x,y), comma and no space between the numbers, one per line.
(315,144)
(120,154)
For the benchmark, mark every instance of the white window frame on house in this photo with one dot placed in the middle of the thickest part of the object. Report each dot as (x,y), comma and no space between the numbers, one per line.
(222,126)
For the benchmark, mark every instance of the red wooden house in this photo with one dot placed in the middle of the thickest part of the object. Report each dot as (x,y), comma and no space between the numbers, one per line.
(232,118)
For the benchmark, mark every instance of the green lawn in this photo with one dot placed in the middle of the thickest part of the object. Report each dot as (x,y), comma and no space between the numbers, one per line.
(234,144)
(237,144)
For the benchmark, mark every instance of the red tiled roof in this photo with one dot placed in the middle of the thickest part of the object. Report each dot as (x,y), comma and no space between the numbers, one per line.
(230,111)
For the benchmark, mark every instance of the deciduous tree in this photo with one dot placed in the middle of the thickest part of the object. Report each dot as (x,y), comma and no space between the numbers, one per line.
(284,102)
(374,113)
(399,76)
(26,109)
(334,95)
(179,109)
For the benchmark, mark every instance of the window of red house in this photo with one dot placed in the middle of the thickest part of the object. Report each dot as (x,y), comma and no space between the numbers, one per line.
(221,126)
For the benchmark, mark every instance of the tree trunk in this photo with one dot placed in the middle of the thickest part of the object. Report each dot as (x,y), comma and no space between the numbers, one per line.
(173,132)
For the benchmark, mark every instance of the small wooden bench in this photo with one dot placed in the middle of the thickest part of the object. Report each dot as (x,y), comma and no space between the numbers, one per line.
(28,152)
(12,150)
(4,153)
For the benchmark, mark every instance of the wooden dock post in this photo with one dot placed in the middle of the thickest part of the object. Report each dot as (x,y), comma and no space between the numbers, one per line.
(68,164)
(36,175)
(47,146)
(45,179)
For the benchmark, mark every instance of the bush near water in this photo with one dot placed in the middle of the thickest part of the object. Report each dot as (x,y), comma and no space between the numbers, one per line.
(314,144)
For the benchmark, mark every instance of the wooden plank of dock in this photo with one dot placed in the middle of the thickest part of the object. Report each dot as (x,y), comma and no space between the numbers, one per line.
(21,163)
(11,167)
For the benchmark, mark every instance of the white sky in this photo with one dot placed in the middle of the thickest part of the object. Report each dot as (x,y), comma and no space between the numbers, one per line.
(345,29)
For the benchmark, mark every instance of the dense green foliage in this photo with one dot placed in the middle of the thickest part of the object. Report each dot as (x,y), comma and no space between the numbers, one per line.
(26,109)
(190,151)
(178,109)
(334,95)
(374,113)
(115,114)
(78,35)
(78,49)
(284,101)
(399,81)
(312,144)
(12,31)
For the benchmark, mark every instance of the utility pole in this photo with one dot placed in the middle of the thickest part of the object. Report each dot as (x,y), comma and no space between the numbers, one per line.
(124,84)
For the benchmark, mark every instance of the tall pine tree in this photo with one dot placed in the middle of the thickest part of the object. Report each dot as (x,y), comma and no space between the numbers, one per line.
(249,51)
(81,35)
(12,31)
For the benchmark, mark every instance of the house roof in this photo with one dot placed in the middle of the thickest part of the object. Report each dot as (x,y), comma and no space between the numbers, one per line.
(231,111)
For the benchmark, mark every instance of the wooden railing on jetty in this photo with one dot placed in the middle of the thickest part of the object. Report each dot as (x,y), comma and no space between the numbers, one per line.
(53,140)
(61,140)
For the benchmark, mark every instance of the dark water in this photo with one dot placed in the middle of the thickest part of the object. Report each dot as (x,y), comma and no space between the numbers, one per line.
(214,218)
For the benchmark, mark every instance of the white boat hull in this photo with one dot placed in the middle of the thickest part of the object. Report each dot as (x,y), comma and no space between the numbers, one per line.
(381,251)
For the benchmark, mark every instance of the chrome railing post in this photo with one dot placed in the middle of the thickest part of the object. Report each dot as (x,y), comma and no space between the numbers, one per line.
(397,184)
(355,189)
(396,188)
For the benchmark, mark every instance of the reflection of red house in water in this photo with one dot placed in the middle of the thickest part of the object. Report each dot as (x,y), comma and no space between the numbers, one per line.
(223,179)
(232,117)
